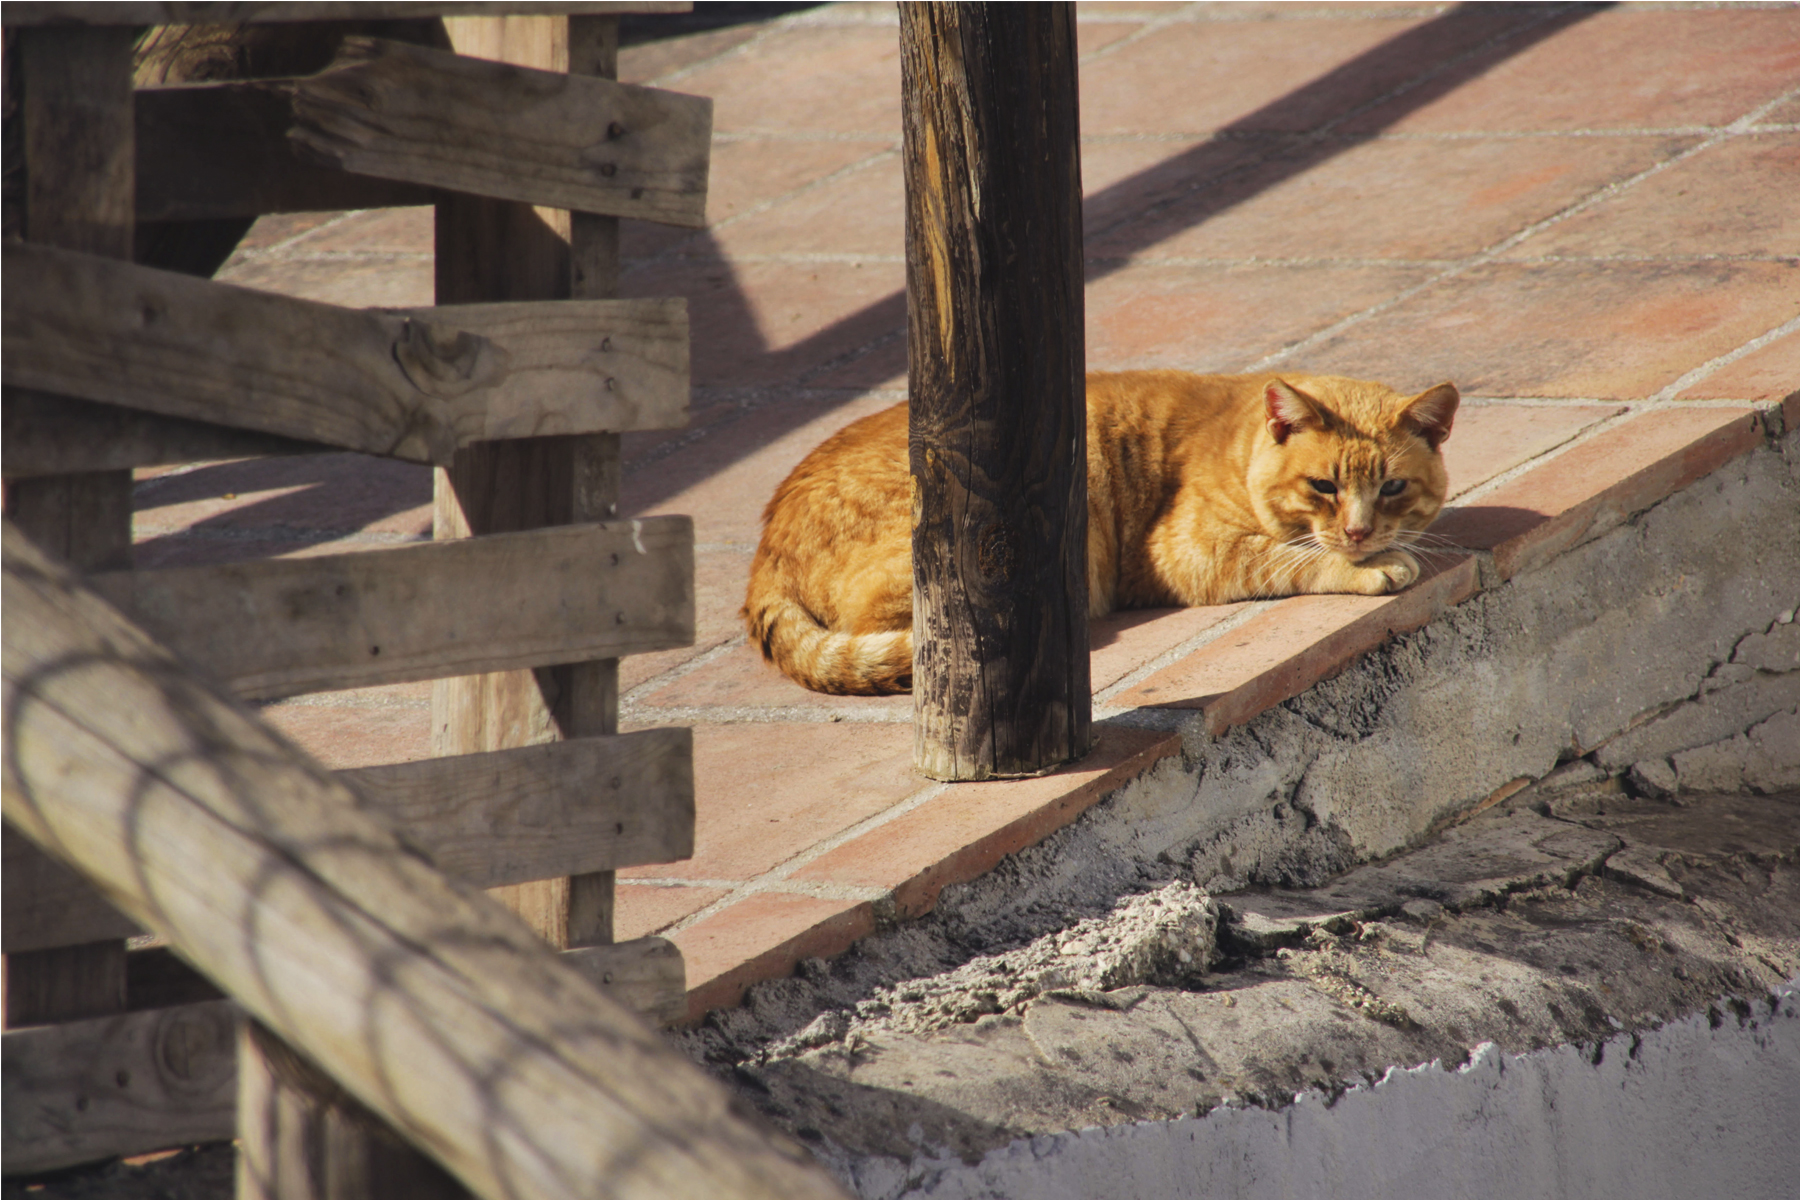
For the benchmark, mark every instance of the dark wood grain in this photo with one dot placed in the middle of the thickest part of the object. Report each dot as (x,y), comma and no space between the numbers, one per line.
(44,434)
(997,438)
(79,183)
(221,150)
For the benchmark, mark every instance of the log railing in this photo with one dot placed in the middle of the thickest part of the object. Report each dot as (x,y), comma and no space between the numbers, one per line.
(432,1007)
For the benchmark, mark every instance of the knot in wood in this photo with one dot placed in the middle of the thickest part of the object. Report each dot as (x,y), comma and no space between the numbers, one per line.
(994,553)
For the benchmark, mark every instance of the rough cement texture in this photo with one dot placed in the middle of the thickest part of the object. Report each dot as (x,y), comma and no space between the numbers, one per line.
(1515,929)
(1168,936)
(1569,911)
(1674,1113)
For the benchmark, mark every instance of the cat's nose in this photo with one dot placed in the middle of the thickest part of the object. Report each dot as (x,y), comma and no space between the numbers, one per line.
(1357,533)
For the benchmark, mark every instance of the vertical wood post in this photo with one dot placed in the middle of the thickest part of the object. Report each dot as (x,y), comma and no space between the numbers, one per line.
(80,180)
(302,1137)
(998,427)
(497,250)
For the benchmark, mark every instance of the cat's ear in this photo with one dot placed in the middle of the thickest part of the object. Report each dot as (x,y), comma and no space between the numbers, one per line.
(1430,414)
(1289,410)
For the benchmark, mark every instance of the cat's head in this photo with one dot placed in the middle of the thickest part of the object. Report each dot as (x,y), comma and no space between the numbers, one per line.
(1348,466)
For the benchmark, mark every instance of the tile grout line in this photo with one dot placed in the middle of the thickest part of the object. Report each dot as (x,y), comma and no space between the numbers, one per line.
(776,26)
(1322,133)
(1484,257)
(1704,370)
(1144,30)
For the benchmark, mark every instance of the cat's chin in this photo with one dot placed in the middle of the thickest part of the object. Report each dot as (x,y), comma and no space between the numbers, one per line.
(1361,554)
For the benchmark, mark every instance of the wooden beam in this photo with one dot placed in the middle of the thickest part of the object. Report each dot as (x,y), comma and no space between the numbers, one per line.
(150,1080)
(200,12)
(561,808)
(997,427)
(462,124)
(42,434)
(127,1084)
(396,384)
(280,627)
(209,151)
(488,820)
(426,1002)
(78,182)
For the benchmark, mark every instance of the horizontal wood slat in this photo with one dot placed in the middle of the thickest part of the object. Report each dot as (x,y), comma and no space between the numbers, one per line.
(387,123)
(146,1081)
(398,384)
(221,150)
(129,1084)
(197,12)
(42,434)
(509,816)
(280,627)
(415,115)
(425,1000)
(579,366)
(541,812)
(646,975)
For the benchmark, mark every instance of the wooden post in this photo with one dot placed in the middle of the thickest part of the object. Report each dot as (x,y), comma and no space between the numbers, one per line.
(496,250)
(80,144)
(998,432)
(302,1137)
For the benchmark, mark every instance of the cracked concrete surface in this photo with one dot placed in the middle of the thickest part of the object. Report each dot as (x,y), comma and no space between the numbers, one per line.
(1534,925)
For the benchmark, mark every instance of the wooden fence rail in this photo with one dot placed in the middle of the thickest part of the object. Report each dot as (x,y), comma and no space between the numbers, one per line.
(432,1006)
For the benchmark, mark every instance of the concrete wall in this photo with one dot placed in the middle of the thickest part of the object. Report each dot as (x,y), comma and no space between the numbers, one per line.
(1679,1113)
(1619,651)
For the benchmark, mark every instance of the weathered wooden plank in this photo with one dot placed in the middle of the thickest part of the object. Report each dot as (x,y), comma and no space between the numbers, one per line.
(186,347)
(580,366)
(401,385)
(47,906)
(463,124)
(127,1084)
(488,820)
(646,975)
(152,1079)
(389,122)
(199,12)
(561,808)
(280,627)
(209,151)
(41,434)
(425,1001)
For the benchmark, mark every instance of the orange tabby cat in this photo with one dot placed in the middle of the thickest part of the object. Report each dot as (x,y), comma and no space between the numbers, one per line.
(1202,489)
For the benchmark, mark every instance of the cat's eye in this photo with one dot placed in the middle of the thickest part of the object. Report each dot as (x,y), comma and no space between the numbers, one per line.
(1323,486)
(1393,487)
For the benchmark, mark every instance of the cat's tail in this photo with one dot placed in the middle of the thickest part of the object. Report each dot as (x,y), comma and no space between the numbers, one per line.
(840,664)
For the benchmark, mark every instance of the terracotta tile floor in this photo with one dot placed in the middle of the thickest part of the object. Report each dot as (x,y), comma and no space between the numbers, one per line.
(1582,217)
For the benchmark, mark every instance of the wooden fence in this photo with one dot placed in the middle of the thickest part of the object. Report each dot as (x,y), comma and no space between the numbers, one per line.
(307,898)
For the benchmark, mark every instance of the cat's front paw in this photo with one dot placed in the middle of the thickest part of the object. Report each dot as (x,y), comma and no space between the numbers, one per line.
(1386,572)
